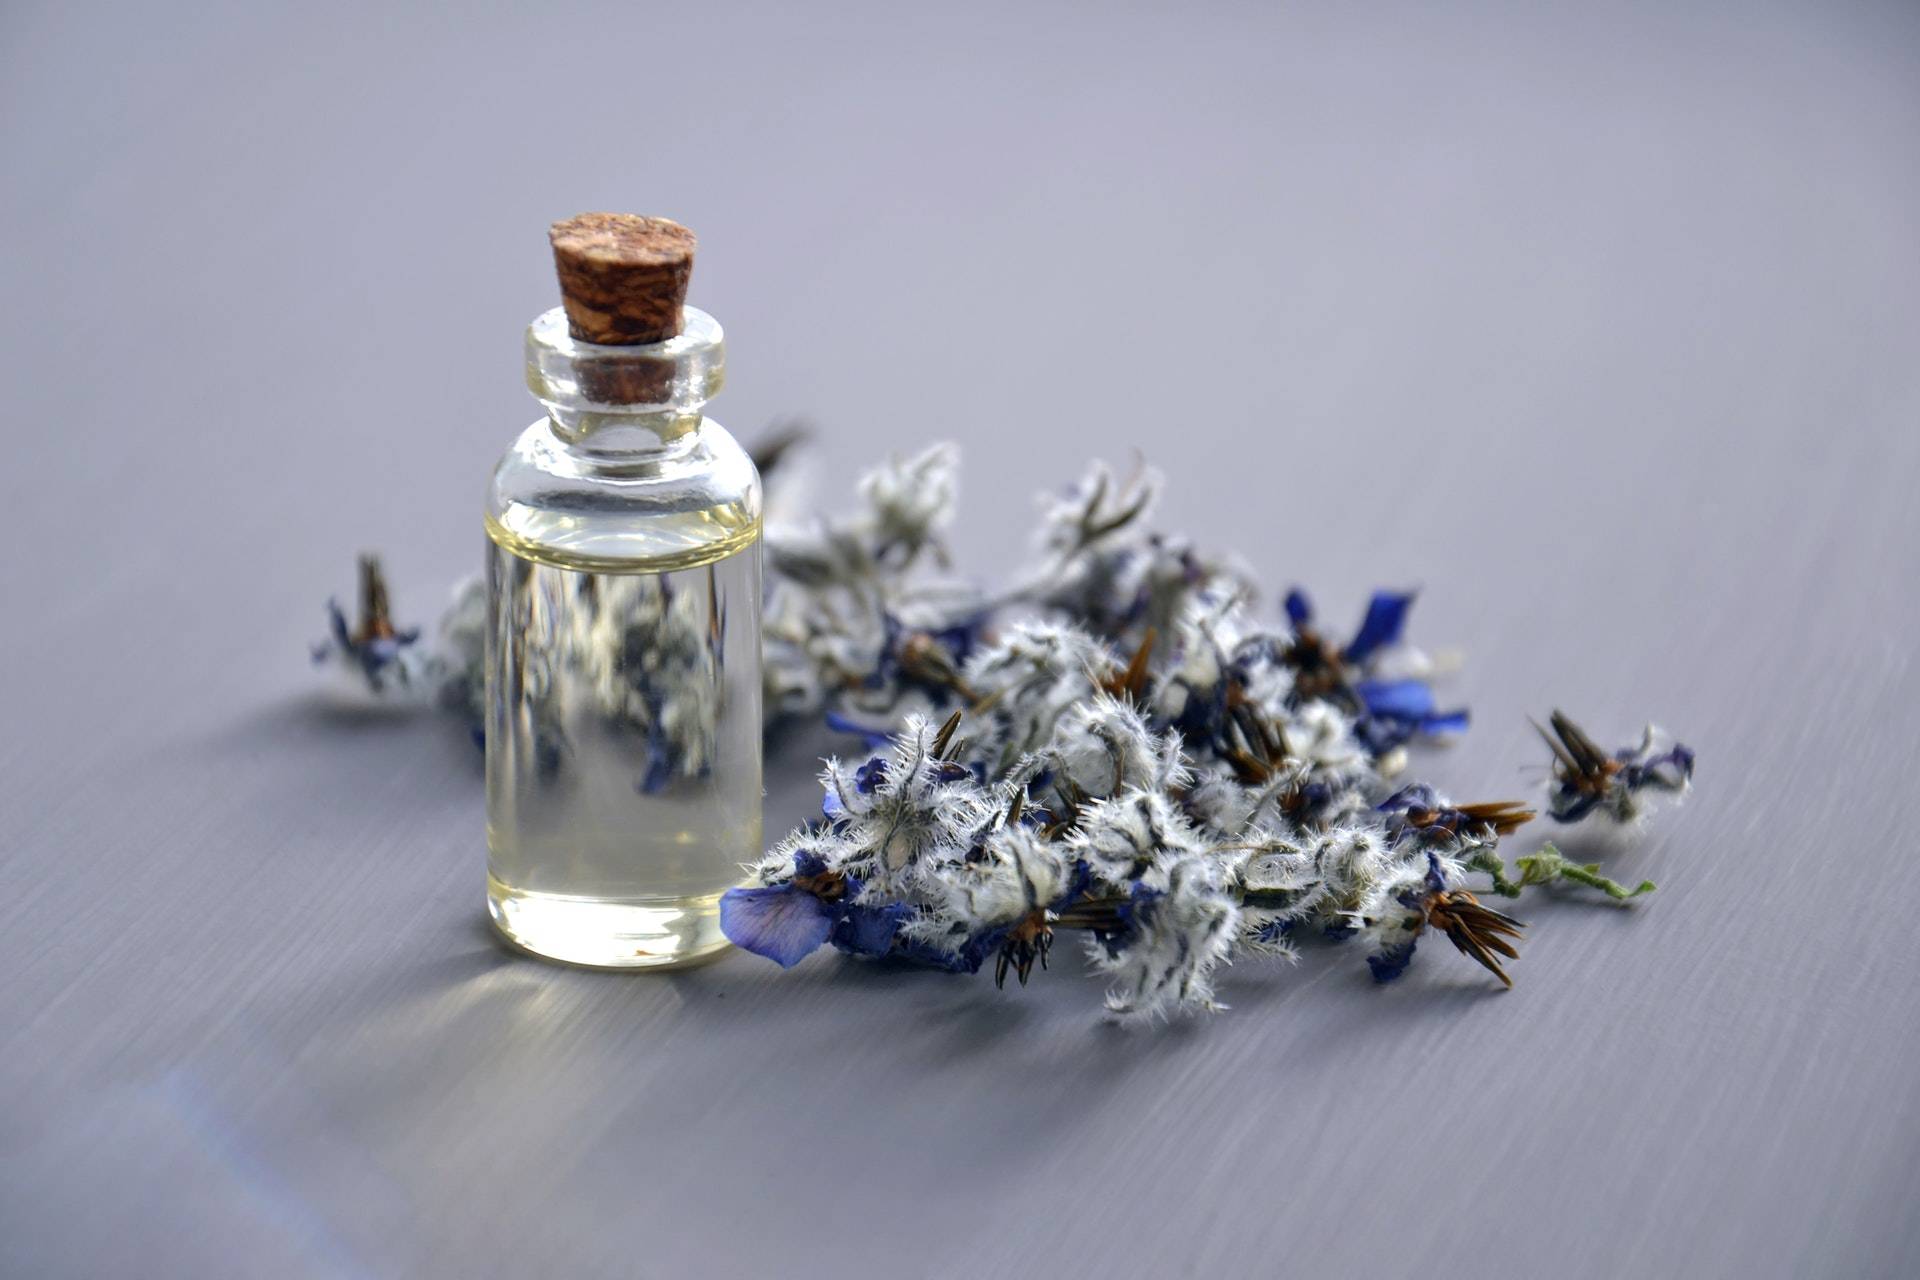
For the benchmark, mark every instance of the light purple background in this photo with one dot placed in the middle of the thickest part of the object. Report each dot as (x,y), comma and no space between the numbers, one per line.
(1602,326)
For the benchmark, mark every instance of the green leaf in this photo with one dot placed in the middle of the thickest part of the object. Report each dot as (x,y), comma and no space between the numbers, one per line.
(1550,865)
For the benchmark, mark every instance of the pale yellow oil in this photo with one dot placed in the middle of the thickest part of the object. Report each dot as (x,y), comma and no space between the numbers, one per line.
(623,745)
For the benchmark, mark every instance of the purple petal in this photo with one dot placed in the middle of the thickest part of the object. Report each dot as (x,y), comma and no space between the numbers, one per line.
(1396,699)
(783,923)
(1386,619)
(337,624)
(868,931)
(1299,608)
(660,765)
(1671,768)
(1389,963)
(875,736)
(1418,796)
(1570,805)
(870,775)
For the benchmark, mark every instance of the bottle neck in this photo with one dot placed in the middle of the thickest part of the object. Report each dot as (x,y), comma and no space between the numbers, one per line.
(625,406)
(615,438)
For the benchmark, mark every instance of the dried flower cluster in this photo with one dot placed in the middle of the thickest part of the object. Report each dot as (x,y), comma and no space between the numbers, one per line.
(1119,745)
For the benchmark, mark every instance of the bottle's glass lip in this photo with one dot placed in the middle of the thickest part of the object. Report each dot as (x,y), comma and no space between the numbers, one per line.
(676,376)
(699,333)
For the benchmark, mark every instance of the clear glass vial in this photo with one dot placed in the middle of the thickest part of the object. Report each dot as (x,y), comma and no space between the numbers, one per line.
(623,730)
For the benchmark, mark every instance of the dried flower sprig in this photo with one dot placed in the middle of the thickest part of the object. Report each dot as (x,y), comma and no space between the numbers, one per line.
(384,656)
(1118,745)
(1620,785)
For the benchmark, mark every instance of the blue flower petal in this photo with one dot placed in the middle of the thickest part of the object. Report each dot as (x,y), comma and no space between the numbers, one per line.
(959,640)
(875,736)
(967,959)
(1444,722)
(1398,699)
(1418,796)
(978,949)
(1381,734)
(1570,804)
(1203,714)
(783,923)
(660,762)
(1273,931)
(868,931)
(1670,769)
(1386,619)
(337,624)
(1390,962)
(1299,608)
(1078,882)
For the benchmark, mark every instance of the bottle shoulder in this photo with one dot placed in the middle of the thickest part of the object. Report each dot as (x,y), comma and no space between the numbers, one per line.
(696,501)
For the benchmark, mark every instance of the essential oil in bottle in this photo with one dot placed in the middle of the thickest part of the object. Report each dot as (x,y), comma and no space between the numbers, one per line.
(623,650)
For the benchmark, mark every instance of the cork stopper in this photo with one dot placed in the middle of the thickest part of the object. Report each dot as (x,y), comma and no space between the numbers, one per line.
(623,278)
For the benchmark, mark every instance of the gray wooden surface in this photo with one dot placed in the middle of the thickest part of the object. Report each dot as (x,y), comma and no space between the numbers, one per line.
(1601,326)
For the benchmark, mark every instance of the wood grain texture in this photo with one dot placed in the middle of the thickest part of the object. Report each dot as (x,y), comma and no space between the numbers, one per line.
(623,277)
(1601,327)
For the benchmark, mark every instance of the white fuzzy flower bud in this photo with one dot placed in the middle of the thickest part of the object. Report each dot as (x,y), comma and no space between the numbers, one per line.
(1103,747)
(912,499)
(1119,838)
(1182,924)
(908,806)
(1320,735)
(1010,875)
(1032,677)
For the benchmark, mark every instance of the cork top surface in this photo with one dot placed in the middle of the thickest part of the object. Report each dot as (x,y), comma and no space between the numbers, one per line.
(622,238)
(623,277)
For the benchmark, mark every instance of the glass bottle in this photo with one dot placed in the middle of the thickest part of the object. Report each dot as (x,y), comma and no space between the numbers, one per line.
(623,730)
